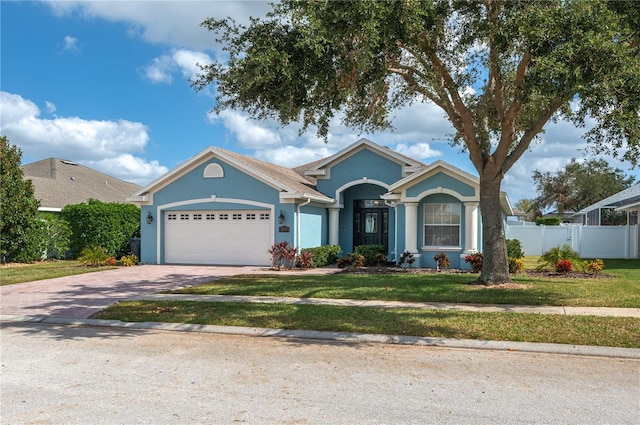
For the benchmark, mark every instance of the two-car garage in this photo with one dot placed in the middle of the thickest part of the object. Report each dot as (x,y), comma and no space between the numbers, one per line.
(223,237)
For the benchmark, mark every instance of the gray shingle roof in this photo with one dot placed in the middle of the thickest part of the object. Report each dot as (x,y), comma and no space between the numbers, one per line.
(58,182)
(617,200)
(287,176)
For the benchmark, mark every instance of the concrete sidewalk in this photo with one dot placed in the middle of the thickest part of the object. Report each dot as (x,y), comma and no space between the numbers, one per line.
(484,308)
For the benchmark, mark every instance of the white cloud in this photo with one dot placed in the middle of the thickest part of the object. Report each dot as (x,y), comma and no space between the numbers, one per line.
(176,23)
(160,70)
(188,61)
(419,151)
(129,168)
(292,156)
(70,43)
(250,134)
(184,61)
(107,143)
(51,107)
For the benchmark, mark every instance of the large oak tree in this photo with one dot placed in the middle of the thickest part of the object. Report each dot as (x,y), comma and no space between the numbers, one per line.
(500,70)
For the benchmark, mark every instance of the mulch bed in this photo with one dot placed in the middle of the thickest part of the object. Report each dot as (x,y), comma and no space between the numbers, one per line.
(418,270)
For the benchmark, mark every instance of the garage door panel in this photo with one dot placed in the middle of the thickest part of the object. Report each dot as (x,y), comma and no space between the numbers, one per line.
(218,237)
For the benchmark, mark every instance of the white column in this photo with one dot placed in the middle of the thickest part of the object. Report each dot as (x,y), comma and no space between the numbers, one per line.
(411,227)
(334,226)
(471,227)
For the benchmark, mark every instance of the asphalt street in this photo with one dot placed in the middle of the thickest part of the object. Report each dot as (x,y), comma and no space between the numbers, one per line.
(54,374)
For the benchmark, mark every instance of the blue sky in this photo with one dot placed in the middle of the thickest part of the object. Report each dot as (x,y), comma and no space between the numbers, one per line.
(106,84)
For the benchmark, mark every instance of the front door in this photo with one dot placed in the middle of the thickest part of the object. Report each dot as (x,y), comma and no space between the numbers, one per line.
(370,223)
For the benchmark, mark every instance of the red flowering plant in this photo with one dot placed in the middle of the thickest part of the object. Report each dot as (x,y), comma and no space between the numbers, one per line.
(475,260)
(564,266)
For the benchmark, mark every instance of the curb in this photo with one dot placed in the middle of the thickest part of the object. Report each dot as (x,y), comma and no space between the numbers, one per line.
(510,346)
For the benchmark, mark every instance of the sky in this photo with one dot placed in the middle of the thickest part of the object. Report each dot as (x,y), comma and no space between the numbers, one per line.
(106,84)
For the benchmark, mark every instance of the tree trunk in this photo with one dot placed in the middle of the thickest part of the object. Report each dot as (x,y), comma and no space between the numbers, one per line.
(495,265)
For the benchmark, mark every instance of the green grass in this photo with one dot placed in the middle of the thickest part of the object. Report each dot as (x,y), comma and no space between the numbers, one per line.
(20,273)
(621,291)
(581,330)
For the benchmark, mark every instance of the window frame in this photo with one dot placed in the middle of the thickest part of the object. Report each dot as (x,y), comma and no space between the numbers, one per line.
(456,213)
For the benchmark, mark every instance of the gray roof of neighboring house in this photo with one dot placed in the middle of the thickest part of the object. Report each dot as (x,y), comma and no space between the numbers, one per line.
(619,199)
(59,182)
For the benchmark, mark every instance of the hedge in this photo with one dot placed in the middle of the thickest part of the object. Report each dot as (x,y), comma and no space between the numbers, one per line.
(324,255)
(107,225)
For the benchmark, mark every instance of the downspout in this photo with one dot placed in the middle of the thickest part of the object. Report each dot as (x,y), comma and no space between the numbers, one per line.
(298,208)
(394,205)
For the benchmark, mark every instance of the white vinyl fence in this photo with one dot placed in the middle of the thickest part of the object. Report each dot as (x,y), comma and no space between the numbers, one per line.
(588,241)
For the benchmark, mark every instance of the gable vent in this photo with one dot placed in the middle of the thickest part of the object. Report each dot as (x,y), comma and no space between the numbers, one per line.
(213,171)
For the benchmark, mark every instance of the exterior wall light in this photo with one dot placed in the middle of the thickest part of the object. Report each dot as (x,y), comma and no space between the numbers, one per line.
(281,218)
(149,218)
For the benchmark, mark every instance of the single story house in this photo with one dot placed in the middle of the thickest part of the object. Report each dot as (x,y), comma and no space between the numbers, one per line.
(220,207)
(612,210)
(60,182)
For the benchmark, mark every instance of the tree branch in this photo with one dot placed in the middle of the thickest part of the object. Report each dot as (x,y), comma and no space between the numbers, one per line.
(408,73)
(508,117)
(531,132)
(468,132)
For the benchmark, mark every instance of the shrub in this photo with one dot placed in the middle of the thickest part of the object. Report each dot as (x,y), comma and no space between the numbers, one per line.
(550,259)
(475,260)
(323,255)
(548,221)
(283,254)
(564,266)
(111,261)
(442,261)
(305,260)
(516,265)
(369,253)
(514,249)
(18,207)
(407,258)
(129,260)
(58,235)
(595,266)
(33,246)
(96,223)
(351,260)
(380,259)
(93,255)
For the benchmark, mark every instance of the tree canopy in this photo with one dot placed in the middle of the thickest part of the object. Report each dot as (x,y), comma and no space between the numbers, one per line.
(500,70)
(18,205)
(579,185)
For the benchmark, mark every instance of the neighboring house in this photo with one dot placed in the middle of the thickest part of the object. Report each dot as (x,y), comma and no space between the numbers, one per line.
(59,182)
(612,210)
(219,207)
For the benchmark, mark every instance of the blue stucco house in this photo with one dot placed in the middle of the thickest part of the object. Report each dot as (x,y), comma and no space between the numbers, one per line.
(220,207)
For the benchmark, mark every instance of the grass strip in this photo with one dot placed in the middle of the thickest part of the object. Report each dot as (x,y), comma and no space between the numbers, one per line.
(559,329)
(19,273)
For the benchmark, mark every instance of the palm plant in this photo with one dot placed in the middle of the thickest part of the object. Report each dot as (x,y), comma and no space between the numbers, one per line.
(550,259)
(93,255)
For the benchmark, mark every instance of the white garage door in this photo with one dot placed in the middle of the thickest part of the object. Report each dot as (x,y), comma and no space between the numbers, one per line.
(218,237)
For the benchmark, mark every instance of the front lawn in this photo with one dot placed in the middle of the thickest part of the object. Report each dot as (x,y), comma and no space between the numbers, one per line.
(580,330)
(621,290)
(19,273)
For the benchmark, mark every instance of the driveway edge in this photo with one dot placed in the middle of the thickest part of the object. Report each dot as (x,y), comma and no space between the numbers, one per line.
(511,346)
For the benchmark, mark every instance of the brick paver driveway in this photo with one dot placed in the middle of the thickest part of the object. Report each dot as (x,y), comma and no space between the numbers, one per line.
(80,296)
